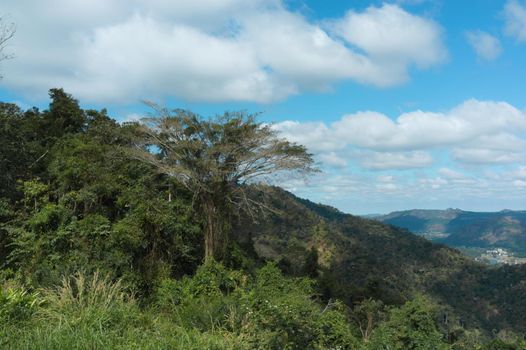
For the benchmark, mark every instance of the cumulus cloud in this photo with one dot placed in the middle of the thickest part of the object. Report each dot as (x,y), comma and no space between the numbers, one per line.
(515,17)
(421,129)
(470,156)
(475,131)
(393,39)
(486,46)
(317,135)
(221,50)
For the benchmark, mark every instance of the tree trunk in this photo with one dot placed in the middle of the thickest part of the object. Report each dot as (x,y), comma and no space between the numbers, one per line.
(209,235)
(213,231)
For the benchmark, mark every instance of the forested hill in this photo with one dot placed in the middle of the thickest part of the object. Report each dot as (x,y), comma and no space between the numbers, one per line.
(454,227)
(363,258)
(104,247)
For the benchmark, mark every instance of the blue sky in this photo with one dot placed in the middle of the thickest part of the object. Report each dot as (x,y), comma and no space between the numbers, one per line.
(406,104)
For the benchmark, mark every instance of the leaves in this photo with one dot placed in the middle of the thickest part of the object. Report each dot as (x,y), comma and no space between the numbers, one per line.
(215,159)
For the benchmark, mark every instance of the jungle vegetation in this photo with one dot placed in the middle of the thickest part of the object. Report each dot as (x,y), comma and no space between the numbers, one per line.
(167,234)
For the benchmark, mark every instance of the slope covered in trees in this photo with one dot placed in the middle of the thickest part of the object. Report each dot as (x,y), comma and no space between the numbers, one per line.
(100,249)
(361,258)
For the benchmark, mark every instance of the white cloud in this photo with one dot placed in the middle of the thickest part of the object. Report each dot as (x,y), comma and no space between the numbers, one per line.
(130,118)
(434,183)
(333,159)
(317,135)
(394,39)
(421,130)
(496,148)
(486,46)
(399,160)
(216,50)
(515,17)
(363,192)
(410,2)
(487,156)
(519,173)
(386,187)
(451,174)
(474,132)
(385,178)
(188,62)
(496,124)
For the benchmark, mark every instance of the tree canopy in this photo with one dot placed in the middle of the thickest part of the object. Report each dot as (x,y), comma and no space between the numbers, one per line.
(215,159)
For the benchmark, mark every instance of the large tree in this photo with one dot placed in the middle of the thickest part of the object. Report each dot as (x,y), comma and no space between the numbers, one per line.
(216,159)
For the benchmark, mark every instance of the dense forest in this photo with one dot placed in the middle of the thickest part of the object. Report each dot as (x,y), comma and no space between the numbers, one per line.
(161,234)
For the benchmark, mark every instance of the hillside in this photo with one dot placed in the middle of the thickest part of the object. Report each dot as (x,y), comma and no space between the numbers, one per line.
(100,247)
(454,227)
(364,258)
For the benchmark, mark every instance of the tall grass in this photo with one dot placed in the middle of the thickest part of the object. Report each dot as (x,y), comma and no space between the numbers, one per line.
(89,301)
(96,290)
(94,312)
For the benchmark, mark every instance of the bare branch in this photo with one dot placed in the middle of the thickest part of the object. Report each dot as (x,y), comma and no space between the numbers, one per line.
(7,31)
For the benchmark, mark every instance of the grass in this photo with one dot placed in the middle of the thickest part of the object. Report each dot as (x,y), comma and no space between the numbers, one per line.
(96,313)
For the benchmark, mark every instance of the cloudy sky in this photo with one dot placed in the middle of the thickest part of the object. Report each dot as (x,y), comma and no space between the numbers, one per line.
(406,104)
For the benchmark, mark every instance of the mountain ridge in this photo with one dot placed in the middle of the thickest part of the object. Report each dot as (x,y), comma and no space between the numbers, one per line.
(455,227)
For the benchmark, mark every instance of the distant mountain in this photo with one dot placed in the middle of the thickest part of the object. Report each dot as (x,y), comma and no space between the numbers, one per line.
(454,227)
(362,258)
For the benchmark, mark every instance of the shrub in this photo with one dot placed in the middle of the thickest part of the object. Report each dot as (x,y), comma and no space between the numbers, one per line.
(411,326)
(17,304)
(266,311)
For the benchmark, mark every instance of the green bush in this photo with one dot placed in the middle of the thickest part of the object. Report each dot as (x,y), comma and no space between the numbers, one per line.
(263,311)
(411,326)
(17,304)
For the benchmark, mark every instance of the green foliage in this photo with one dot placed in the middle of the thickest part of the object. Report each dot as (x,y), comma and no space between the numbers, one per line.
(64,115)
(499,344)
(96,208)
(93,312)
(412,326)
(18,148)
(266,310)
(17,304)
(34,193)
(366,316)
(127,233)
(311,267)
(215,309)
